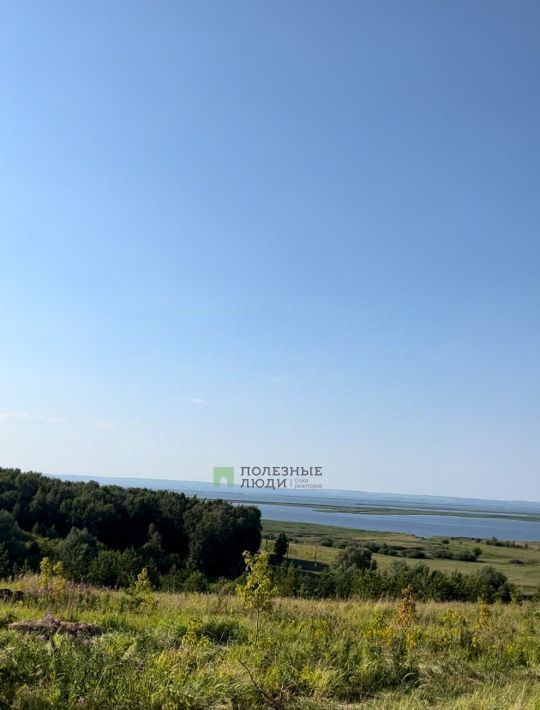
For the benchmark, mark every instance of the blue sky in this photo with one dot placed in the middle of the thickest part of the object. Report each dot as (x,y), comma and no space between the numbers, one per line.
(287,233)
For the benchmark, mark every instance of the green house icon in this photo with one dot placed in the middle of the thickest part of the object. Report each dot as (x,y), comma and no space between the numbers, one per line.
(223,472)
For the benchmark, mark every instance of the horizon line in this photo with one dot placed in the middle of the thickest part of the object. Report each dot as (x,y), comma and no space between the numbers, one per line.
(313,491)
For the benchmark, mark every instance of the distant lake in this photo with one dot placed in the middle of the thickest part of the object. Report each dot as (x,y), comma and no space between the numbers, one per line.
(425,516)
(421,525)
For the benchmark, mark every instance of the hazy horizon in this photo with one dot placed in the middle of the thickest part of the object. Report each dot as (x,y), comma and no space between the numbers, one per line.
(255,491)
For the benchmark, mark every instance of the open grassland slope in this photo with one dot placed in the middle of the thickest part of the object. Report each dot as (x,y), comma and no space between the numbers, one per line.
(200,651)
(520,563)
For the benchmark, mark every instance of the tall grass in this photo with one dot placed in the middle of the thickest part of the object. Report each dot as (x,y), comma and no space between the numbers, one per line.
(198,651)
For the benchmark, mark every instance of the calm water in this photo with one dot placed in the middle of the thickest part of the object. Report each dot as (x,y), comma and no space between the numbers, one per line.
(422,525)
(454,518)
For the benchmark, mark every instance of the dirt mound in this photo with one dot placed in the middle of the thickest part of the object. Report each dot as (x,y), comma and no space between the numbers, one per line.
(49,625)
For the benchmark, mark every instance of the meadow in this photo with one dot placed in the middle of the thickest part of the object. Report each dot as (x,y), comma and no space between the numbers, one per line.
(146,614)
(521,564)
(200,651)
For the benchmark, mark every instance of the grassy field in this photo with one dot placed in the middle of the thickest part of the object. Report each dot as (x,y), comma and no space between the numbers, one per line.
(307,538)
(200,651)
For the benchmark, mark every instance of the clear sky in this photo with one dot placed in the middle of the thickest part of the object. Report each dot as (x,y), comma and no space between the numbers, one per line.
(273,233)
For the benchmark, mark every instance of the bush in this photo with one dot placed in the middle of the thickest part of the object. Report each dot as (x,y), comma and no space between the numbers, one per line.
(281,547)
(195,582)
(222,586)
(221,631)
(414,554)
(466,556)
(373,546)
(490,585)
(356,557)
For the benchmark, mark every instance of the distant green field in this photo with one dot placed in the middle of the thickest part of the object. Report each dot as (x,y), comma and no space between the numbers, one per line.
(307,539)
